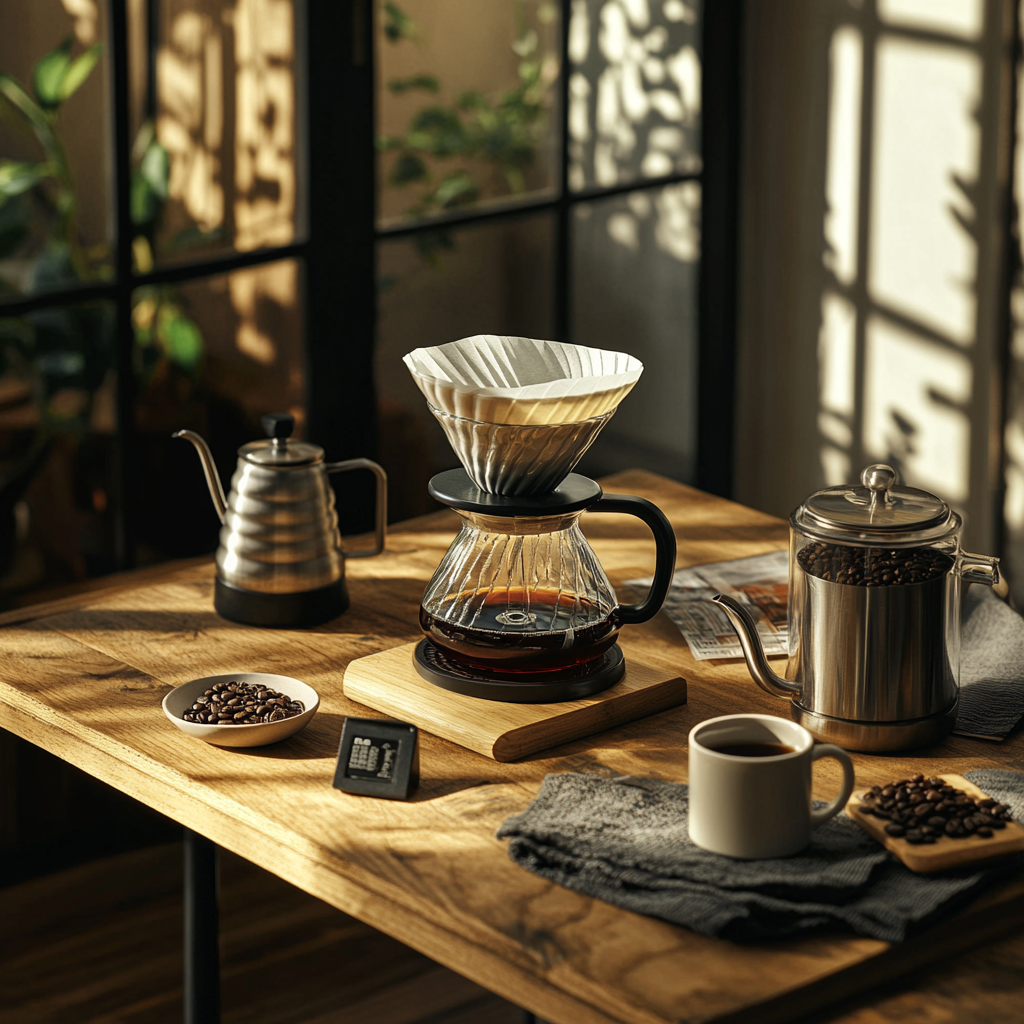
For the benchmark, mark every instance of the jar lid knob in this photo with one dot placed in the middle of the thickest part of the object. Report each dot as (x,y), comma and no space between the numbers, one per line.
(878,478)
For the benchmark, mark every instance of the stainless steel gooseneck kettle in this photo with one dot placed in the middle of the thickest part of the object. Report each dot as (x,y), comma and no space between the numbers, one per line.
(280,560)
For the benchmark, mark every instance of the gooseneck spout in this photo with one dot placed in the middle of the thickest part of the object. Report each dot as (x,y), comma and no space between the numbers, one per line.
(220,503)
(753,652)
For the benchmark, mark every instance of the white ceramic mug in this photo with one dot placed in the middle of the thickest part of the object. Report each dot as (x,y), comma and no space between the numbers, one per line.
(757,806)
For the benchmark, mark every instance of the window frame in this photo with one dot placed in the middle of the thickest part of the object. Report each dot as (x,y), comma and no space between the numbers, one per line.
(337,249)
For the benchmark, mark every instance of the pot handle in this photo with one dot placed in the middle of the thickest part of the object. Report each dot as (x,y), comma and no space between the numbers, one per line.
(979,569)
(665,552)
(381,503)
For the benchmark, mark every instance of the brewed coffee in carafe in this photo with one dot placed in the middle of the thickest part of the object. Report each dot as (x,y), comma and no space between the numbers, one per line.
(522,594)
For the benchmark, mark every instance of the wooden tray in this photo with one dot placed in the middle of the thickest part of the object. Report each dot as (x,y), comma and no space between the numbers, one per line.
(945,853)
(389,682)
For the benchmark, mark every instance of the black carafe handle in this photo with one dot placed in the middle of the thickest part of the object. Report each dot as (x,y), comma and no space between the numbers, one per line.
(665,552)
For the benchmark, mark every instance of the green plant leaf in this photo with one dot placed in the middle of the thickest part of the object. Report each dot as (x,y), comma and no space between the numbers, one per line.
(18,176)
(49,73)
(17,96)
(456,189)
(144,204)
(183,341)
(397,24)
(81,68)
(407,168)
(156,168)
(428,83)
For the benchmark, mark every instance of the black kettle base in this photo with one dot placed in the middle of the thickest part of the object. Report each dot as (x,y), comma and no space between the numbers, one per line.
(541,688)
(280,611)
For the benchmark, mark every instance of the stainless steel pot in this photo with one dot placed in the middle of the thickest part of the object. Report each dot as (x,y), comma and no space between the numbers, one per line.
(280,561)
(875,583)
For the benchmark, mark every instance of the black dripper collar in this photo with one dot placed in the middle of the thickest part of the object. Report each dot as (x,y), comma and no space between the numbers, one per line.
(455,489)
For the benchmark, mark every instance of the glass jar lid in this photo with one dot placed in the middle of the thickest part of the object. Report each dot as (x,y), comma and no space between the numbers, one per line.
(877,510)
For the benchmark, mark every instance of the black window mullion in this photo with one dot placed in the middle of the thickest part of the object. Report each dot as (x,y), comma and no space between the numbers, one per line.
(563,220)
(125,446)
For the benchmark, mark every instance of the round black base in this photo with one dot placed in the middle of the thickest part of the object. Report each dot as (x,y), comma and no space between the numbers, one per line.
(280,611)
(540,688)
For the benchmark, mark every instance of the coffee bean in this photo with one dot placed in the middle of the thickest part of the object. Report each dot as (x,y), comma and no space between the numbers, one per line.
(873,567)
(240,703)
(923,810)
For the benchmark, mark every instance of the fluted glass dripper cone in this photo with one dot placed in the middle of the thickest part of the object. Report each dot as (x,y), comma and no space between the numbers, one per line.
(520,413)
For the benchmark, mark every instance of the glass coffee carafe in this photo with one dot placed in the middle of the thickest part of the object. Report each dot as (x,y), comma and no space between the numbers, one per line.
(520,591)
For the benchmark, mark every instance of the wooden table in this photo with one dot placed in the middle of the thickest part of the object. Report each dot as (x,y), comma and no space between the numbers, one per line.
(83,678)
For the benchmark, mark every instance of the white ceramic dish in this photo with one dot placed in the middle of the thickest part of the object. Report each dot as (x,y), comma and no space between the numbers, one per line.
(181,698)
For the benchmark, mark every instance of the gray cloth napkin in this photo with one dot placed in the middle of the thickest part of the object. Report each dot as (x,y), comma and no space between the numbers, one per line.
(625,841)
(991,666)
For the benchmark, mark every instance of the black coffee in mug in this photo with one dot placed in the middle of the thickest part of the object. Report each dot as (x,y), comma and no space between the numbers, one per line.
(753,749)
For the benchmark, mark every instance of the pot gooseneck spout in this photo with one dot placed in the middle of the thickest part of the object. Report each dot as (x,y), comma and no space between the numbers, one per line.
(753,652)
(212,477)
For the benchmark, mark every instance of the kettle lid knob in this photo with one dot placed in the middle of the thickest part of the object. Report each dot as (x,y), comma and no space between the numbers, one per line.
(278,425)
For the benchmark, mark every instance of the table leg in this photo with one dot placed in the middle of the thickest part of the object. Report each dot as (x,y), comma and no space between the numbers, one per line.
(202,947)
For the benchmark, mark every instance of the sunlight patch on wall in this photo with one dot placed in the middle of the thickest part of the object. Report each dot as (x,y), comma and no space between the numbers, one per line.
(923,259)
(916,397)
(961,18)
(842,173)
(635,91)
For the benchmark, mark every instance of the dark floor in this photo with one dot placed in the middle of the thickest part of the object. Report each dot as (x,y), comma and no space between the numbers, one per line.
(103,943)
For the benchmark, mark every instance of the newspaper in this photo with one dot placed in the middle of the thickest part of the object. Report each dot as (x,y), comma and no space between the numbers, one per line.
(760,581)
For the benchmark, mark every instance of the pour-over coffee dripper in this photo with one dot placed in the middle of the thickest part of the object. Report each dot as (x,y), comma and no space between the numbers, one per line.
(519,608)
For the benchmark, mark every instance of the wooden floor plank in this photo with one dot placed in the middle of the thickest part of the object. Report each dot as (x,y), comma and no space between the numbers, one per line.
(102,944)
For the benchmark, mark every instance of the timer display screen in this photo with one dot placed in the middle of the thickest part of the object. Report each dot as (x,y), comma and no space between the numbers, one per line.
(378,757)
(373,758)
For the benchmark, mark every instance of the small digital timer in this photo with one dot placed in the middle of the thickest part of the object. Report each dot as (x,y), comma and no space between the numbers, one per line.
(378,757)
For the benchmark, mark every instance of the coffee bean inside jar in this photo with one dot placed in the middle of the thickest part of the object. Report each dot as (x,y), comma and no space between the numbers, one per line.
(873,567)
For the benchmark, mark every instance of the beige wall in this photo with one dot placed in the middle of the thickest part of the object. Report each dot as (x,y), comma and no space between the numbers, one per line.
(871,229)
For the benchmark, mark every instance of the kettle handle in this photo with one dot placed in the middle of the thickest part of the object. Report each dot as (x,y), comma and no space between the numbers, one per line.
(381,503)
(665,552)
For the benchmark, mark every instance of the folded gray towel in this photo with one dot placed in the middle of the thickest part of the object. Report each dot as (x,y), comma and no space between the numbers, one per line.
(625,841)
(991,666)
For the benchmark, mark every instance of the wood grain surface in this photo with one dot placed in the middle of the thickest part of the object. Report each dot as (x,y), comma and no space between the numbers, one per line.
(945,854)
(389,682)
(85,682)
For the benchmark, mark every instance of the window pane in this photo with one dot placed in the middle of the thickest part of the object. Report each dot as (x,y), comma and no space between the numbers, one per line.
(213,356)
(634,94)
(57,435)
(225,119)
(464,103)
(494,278)
(55,209)
(635,273)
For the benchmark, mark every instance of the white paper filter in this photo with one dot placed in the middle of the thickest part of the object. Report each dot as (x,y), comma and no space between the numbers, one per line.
(495,379)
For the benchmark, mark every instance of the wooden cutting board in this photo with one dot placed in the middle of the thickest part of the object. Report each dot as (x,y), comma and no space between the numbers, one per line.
(389,682)
(945,853)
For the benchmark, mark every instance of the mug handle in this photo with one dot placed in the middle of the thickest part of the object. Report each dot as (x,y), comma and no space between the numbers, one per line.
(831,750)
(664,556)
(381,503)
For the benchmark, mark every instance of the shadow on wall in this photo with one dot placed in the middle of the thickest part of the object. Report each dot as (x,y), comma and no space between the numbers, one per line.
(881,295)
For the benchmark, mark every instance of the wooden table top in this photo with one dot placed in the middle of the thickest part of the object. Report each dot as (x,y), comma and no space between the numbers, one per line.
(84,678)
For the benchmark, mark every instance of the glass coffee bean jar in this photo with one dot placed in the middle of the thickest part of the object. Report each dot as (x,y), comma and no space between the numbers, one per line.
(875,579)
